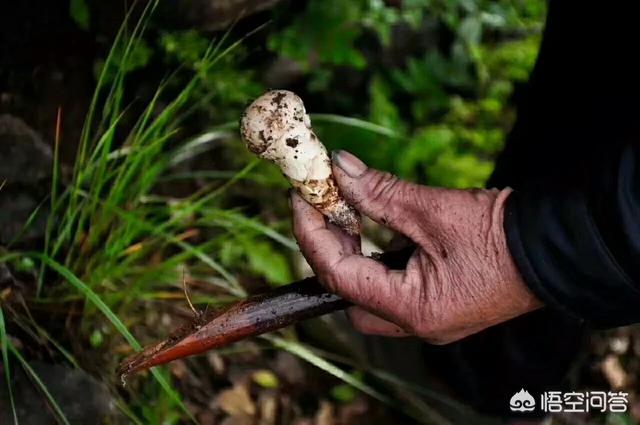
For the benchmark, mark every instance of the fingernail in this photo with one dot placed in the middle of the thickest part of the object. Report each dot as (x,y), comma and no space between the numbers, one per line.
(349,163)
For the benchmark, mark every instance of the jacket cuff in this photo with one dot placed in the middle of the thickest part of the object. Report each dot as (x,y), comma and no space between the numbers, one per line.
(564,261)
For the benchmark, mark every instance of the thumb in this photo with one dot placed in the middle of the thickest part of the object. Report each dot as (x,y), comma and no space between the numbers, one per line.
(379,195)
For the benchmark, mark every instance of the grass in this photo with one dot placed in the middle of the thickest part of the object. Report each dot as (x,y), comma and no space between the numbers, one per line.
(113,244)
(4,347)
(101,230)
(51,401)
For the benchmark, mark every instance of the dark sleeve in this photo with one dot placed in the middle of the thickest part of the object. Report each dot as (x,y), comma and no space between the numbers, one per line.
(579,249)
(573,158)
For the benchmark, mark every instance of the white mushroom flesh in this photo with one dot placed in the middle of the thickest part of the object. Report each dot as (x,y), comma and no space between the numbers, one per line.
(276,127)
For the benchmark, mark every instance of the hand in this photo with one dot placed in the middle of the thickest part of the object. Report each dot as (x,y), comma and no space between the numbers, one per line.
(460,280)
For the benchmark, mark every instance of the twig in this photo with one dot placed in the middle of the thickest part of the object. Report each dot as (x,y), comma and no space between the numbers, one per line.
(186,295)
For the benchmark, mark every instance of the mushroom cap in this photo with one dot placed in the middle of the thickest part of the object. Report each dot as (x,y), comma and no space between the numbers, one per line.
(276,127)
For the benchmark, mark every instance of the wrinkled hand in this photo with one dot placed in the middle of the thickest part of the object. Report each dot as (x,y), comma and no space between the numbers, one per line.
(460,280)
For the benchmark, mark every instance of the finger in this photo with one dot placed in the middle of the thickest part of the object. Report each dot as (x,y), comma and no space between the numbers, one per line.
(361,280)
(371,324)
(350,243)
(381,196)
(311,232)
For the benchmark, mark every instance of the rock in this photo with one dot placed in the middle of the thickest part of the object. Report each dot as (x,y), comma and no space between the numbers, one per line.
(26,159)
(25,168)
(82,398)
(15,209)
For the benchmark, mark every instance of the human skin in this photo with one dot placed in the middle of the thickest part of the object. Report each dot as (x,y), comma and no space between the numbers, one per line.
(461,278)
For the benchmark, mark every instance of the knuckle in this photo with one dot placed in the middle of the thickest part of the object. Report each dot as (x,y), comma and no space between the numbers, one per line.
(429,326)
(381,188)
(327,277)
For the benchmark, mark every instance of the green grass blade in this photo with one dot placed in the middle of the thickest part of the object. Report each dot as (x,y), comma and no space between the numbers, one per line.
(197,146)
(212,57)
(396,381)
(127,411)
(202,174)
(34,376)
(90,295)
(302,351)
(40,332)
(242,221)
(112,317)
(27,223)
(356,123)
(199,203)
(4,343)
(54,197)
(121,37)
(233,287)
(170,115)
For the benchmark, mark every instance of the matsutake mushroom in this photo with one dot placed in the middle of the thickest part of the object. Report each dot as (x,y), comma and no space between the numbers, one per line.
(276,127)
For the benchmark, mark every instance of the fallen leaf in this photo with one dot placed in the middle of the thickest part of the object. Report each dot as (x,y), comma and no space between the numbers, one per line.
(325,414)
(268,407)
(236,401)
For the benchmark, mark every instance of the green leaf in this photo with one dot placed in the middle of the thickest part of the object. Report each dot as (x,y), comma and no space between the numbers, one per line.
(470,30)
(96,338)
(25,265)
(325,32)
(619,419)
(425,148)
(79,12)
(266,261)
(383,111)
(343,393)
(265,378)
(305,353)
